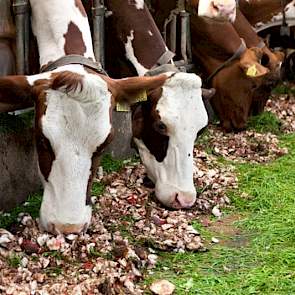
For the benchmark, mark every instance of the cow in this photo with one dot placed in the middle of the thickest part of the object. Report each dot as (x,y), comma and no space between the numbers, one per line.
(73,99)
(272,60)
(162,135)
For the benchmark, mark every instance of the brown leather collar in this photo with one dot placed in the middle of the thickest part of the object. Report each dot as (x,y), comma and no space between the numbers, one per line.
(74,59)
(236,55)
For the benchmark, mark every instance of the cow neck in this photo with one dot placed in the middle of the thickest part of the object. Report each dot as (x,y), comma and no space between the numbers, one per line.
(261,10)
(215,50)
(246,31)
(61,28)
(242,48)
(136,30)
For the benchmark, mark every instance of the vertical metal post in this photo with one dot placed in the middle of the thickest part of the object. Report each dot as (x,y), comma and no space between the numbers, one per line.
(183,34)
(98,13)
(173,33)
(20,9)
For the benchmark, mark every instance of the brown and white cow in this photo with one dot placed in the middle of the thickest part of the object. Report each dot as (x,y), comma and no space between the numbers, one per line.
(73,122)
(166,125)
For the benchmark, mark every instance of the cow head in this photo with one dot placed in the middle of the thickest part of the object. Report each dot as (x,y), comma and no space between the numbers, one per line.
(235,86)
(73,124)
(164,129)
(224,10)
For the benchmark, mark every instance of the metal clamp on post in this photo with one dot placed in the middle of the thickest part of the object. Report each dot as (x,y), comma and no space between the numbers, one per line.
(21,12)
(185,38)
(98,14)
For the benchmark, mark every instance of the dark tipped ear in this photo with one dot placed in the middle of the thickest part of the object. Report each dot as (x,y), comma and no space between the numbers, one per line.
(127,90)
(208,93)
(15,93)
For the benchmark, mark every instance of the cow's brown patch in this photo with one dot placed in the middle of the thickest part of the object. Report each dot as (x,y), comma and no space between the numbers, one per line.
(147,126)
(67,80)
(95,160)
(45,152)
(74,43)
(79,4)
(15,90)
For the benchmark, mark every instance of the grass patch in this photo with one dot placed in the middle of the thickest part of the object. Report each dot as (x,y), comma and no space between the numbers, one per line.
(265,122)
(283,88)
(14,260)
(97,189)
(31,206)
(109,164)
(263,265)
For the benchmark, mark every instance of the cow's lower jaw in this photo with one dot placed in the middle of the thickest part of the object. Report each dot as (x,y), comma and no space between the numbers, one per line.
(175,198)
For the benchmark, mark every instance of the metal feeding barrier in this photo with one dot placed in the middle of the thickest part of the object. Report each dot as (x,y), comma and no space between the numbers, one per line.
(22,24)
(177,25)
(98,15)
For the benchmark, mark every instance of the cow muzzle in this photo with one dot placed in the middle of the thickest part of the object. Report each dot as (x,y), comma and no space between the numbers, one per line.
(223,10)
(175,198)
(66,229)
(183,200)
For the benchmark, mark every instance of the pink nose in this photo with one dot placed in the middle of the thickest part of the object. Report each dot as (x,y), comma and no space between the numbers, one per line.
(183,200)
(67,228)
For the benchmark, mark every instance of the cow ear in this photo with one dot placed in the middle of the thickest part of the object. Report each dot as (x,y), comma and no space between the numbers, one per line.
(250,63)
(15,93)
(254,69)
(128,90)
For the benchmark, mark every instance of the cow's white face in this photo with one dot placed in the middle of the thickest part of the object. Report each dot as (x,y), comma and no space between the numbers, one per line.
(74,126)
(165,130)
(224,10)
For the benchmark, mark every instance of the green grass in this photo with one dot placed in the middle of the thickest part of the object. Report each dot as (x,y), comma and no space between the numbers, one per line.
(31,206)
(283,88)
(264,263)
(265,122)
(14,260)
(109,164)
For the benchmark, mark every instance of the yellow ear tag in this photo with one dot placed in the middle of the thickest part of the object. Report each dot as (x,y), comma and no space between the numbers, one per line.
(142,96)
(123,107)
(252,71)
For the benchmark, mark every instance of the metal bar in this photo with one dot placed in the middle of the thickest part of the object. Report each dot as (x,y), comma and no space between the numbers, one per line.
(183,31)
(27,40)
(173,33)
(20,7)
(189,40)
(98,13)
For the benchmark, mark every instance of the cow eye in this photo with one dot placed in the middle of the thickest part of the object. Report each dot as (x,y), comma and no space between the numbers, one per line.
(160,127)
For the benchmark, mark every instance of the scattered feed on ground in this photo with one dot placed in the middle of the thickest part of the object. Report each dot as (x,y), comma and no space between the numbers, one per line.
(243,216)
